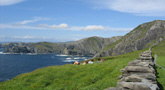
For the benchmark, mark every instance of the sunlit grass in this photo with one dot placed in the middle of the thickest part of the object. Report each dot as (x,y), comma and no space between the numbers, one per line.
(97,76)
(160,51)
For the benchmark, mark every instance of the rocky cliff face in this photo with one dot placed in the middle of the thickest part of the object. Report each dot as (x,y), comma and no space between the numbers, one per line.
(87,46)
(143,36)
(42,47)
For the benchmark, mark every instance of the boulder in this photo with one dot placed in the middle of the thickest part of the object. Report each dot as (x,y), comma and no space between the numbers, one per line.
(140,63)
(132,78)
(145,58)
(138,69)
(133,86)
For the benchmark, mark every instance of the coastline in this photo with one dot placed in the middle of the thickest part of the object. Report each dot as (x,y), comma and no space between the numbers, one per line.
(15,64)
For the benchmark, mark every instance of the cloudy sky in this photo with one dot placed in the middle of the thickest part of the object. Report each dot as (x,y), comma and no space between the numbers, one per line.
(69,20)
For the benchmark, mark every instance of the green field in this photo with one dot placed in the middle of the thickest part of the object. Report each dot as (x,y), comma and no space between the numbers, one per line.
(97,76)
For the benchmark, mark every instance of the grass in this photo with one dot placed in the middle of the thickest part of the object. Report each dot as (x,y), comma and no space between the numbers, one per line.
(98,76)
(160,51)
(72,77)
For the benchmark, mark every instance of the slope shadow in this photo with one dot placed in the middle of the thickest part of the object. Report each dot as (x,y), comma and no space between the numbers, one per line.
(159,84)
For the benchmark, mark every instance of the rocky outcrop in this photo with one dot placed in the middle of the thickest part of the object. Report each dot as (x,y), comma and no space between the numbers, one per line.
(143,36)
(42,47)
(88,46)
(138,74)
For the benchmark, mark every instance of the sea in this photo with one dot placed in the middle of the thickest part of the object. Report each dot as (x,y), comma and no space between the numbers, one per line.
(12,65)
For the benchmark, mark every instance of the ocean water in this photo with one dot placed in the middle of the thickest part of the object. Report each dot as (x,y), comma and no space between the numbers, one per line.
(12,65)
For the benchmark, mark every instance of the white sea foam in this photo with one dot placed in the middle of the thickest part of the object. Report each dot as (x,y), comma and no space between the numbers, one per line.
(4,53)
(61,55)
(31,54)
(78,58)
(69,60)
(75,58)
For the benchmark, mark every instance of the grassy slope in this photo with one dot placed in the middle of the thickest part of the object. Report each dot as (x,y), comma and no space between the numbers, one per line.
(72,77)
(160,51)
(84,77)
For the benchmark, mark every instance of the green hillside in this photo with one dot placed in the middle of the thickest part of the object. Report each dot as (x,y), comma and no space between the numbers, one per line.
(160,51)
(143,36)
(97,76)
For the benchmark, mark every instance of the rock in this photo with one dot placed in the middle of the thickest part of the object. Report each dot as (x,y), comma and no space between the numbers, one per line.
(145,58)
(145,55)
(138,69)
(88,46)
(140,63)
(133,86)
(143,36)
(132,79)
(138,75)
(115,89)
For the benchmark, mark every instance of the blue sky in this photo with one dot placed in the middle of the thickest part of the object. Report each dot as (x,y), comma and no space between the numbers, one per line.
(70,20)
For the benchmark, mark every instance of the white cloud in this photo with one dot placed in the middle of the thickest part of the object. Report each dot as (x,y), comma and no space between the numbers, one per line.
(94,28)
(60,26)
(13,26)
(88,28)
(9,2)
(138,7)
(63,26)
(31,21)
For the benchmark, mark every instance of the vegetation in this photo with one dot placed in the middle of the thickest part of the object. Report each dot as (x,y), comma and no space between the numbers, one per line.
(97,76)
(160,51)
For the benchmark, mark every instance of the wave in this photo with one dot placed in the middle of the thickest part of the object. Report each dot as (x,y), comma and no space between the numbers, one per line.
(78,58)
(4,53)
(31,54)
(69,60)
(75,58)
(62,55)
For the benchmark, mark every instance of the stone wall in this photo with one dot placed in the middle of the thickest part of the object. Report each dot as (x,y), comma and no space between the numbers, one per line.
(139,74)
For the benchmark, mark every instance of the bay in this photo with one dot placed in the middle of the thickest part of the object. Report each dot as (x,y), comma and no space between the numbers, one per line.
(12,65)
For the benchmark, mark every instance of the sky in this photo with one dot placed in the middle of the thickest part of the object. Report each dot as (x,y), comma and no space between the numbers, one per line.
(70,20)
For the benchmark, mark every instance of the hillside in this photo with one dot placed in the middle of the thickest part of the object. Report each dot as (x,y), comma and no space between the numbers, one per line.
(143,36)
(87,46)
(98,76)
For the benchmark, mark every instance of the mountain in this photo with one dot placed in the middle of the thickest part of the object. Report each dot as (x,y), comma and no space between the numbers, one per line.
(143,36)
(87,46)
(41,47)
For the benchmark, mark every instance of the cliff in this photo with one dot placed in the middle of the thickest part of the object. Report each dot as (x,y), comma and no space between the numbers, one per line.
(87,46)
(143,36)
